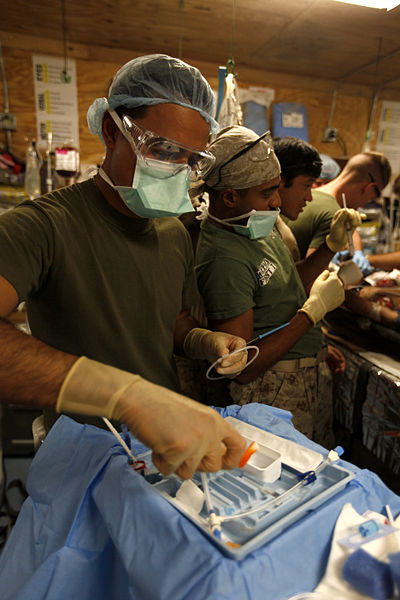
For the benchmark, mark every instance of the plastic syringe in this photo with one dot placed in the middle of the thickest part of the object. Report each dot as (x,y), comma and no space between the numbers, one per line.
(349,232)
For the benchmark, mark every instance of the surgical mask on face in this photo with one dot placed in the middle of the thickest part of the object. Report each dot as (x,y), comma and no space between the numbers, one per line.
(155,192)
(259,223)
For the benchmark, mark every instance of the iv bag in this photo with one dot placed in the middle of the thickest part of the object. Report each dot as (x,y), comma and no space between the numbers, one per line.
(231,111)
(67,160)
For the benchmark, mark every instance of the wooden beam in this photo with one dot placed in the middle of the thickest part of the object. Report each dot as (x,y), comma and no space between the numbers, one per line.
(246,75)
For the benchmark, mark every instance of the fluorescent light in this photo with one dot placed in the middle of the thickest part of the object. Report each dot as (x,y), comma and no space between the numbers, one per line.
(383,4)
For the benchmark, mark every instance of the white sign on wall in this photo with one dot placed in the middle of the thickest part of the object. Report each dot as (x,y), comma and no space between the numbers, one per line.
(261,95)
(56,101)
(388,141)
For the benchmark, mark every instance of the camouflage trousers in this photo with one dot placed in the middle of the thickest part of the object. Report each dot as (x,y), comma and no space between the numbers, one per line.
(306,393)
(194,384)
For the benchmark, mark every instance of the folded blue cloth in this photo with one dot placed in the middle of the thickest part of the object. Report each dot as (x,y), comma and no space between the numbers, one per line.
(368,575)
(394,561)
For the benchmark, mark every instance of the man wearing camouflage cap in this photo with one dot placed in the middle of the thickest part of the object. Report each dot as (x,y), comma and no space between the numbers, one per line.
(250,284)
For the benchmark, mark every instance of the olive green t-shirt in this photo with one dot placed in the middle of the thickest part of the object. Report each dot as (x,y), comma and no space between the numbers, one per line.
(236,274)
(97,283)
(312,225)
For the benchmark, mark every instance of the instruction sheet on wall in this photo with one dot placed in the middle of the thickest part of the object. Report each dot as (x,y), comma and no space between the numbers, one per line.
(389,134)
(56,101)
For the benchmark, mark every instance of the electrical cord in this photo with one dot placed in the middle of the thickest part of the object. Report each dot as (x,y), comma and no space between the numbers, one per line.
(341,143)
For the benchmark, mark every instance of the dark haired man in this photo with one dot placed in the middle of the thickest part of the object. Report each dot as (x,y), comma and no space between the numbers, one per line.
(361,181)
(300,168)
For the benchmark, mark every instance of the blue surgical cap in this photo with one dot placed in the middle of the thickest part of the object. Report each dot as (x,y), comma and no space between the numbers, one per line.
(156,79)
(330,168)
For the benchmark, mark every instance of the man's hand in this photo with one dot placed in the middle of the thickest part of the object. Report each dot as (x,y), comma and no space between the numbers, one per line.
(185,436)
(362,262)
(211,345)
(327,293)
(335,360)
(358,258)
(344,220)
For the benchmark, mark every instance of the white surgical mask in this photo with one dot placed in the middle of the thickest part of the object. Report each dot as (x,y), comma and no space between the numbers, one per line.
(259,223)
(155,192)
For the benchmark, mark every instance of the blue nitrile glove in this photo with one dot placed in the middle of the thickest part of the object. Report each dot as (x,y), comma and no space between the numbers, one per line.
(340,257)
(362,261)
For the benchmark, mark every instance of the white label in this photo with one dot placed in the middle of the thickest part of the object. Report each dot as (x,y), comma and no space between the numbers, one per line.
(67,160)
(293,119)
(265,271)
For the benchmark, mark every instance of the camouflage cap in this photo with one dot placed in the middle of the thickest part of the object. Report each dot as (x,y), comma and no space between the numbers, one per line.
(238,168)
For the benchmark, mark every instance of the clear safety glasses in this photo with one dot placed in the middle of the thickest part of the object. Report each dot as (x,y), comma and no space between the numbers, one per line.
(176,156)
(267,139)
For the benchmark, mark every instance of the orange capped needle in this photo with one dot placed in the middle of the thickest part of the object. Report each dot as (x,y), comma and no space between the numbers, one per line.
(248,453)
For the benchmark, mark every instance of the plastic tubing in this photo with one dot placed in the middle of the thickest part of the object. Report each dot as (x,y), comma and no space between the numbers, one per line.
(221,358)
(348,228)
(119,438)
(304,481)
(249,347)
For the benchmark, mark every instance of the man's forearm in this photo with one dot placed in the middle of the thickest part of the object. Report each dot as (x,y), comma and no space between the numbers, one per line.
(274,347)
(31,372)
(184,323)
(385,262)
(357,241)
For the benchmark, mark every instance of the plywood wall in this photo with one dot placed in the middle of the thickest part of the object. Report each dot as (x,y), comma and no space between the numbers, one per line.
(94,75)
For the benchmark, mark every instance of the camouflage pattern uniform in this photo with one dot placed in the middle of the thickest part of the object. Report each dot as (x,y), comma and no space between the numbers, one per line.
(306,393)
(194,384)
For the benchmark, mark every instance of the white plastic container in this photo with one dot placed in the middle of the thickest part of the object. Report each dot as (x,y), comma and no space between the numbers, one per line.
(265,464)
(349,273)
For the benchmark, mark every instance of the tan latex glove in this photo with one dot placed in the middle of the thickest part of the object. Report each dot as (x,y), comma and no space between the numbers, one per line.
(211,345)
(343,219)
(185,436)
(327,293)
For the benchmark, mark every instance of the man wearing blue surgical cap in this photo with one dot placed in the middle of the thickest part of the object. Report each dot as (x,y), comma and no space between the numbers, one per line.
(106,270)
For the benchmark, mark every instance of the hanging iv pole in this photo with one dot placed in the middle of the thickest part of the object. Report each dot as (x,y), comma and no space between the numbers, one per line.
(65,76)
(180,41)
(229,70)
